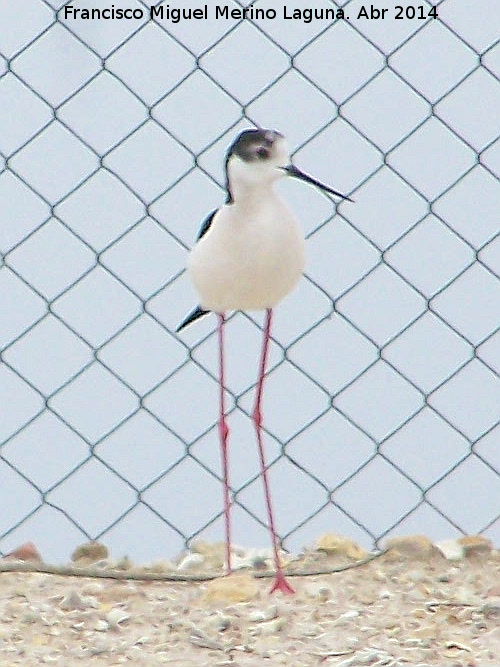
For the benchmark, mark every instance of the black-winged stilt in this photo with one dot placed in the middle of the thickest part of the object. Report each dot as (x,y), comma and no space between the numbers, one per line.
(248,256)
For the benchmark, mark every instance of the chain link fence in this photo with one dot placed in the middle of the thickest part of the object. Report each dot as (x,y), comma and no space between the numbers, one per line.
(383,403)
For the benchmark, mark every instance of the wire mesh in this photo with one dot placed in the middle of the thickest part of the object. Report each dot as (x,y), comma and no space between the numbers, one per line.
(86,346)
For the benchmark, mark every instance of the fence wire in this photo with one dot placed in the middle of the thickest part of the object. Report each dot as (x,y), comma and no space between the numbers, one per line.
(30,403)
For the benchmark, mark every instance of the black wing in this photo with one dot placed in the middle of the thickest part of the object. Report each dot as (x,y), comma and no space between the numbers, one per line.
(198,312)
(194,315)
(205,226)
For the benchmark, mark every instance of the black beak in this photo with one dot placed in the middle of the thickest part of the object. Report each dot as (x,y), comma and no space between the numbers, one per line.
(292,170)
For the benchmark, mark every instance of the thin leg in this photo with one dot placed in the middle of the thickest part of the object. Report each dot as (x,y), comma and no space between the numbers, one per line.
(223,435)
(280,582)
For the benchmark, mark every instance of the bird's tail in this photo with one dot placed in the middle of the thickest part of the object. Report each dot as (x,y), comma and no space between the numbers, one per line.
(194,315)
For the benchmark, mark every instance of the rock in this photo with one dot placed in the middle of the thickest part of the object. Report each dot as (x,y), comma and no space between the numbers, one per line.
(90,552)
(92,588)
(272,627)
(231,589)
(319,592)
(124,563)
(491,607)
(214,553)
(451,549)
(101,626)
(340,546)
(115,617)
(411,546)
(191,562)
(261,615)
(73,600)
(161,567)
(257,559)
(220,622)
(208,548)
(26,552)
(474,545)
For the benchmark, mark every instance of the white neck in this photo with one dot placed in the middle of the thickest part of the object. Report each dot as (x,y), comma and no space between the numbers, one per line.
(245,194)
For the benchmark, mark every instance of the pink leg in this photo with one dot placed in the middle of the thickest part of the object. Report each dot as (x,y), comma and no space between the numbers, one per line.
(223,434)
(280,582)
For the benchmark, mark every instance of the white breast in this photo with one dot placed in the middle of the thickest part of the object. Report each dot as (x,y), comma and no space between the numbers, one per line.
(251,257)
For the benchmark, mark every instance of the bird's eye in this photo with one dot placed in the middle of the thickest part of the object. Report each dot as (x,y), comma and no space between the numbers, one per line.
(262,152)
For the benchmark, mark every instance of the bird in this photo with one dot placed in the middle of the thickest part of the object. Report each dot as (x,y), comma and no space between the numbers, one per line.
(249,254)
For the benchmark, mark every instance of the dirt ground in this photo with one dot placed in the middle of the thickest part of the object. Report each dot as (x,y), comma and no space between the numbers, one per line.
(411,606)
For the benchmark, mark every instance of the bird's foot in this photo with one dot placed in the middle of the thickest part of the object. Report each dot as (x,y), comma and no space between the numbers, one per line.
(281,584)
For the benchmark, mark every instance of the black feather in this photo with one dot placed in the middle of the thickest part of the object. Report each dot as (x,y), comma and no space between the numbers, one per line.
(194,315)
(205,226)
(198,312)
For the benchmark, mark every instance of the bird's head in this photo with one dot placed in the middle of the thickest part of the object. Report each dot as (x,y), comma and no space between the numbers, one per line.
(257,158)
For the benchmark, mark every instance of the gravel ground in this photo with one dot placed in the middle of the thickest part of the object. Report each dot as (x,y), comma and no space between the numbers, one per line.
(411,606)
